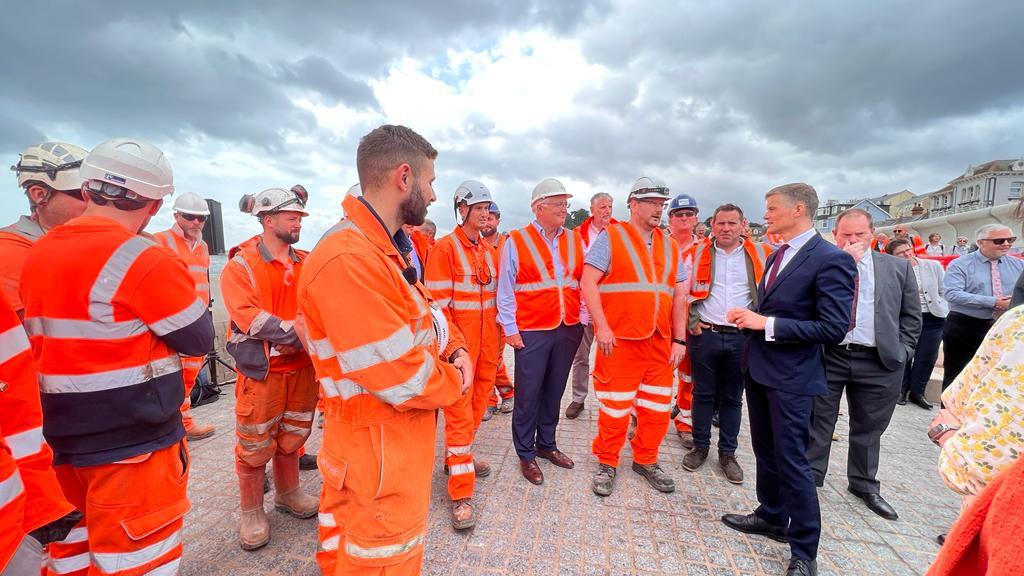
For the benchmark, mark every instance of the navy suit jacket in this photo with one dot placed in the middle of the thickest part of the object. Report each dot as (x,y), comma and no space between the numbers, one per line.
(811,301)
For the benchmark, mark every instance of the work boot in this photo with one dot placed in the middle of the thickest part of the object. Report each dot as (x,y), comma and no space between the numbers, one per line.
(604,480)
(463,516)
(288,498)
(731,468)
(686,438)
(655,476)
(200,431)
(253,528)
(307,462)
(481,468)
(507,405)
(695,459)
(489,413)
(573,410)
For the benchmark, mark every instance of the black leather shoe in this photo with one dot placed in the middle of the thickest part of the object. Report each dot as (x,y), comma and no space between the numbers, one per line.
(876,504)
(753,524)
(941,539)
(902,400)
(920,401)
(801,567)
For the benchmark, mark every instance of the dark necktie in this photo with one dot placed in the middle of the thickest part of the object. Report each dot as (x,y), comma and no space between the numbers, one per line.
(856,296)
(776,264)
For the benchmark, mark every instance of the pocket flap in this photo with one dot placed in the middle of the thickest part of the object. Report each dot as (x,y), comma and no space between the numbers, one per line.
(143,525)
(332,469)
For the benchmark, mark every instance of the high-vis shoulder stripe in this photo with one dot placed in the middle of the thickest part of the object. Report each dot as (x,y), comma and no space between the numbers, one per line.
(13,341)
(179,320)
(378,552)
(386,349)
(531,246)
(10,489)
(119,561)
(113,273)
(84,329)
(27,443)
(411,388)
(61,383)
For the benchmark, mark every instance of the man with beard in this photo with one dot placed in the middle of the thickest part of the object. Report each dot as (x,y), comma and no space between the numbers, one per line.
(382,382)
(275,395)
(502,383)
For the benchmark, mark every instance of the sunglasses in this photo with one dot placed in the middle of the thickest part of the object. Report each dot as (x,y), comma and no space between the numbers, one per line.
(193,217)
(683,213)
(103,193)
(1000,241)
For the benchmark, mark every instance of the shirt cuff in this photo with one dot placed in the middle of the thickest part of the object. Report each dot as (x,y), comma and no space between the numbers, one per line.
(769,329)
(510,329)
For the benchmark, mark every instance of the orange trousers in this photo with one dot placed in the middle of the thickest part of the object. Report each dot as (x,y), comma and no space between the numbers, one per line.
(134,511)
(462,419)
(684,396)
(636,377)
(273,415)
(190,367)
(375,494)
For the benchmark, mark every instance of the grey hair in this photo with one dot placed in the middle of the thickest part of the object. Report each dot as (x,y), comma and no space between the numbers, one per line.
(600,196)
(987,229)
(798,193)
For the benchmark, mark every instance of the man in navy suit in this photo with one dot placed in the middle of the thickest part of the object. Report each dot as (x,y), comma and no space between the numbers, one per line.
(804,301)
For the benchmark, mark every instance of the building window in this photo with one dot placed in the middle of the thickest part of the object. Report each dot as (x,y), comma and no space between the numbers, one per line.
(1015,189)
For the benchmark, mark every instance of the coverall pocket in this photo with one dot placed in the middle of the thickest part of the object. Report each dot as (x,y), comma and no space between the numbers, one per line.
(332,469)
(145,524)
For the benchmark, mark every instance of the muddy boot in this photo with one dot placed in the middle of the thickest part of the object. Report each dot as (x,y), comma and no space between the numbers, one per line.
(200,431)
(288,497)
(463,516)
(253,529)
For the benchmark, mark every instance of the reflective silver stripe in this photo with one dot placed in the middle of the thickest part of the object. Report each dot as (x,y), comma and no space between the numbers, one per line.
(571,245)
(84,329)
(616,412)
(424,337)
(13,341)
(656,390)
(370,354)
(535,286)
(326,520)
(460,469)
(459,450)
(469,305)
(204,287)
(10,488)
(616,396)
(25,443)
(437,285)
(80,534)
(190,314)
(443,302)
(328,386)
(253,446)
(492,286)
(60,383)
(258,322)
(240,260)
(117,561)
(531,246)
(683,415)
(260,428)
(344,388)
(670,259)
(412,387)
(685,377)
(110,277)
(638,268)
(322,348)
(383,551)
(197,268)
(169,569)
(299,416)
(656,406)
(634,287)
(344,224)
(330,544)
(69,564)
(286,428)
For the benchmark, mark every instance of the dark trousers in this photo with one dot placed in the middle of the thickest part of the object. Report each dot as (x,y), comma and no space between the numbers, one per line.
(779,424)
(961,337)
(919,370)
(871,394)
(542,369)
(715,360)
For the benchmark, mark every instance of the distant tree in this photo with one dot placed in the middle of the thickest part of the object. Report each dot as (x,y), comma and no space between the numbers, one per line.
(576,217)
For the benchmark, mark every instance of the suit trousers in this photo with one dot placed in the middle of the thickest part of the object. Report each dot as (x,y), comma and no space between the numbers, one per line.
(715,359)
(871,394)
(541,371)
(961,337)
(779,427)
(581,366)
(919,371)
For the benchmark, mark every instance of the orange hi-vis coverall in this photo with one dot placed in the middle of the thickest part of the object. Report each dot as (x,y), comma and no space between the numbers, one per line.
(637,299)
(197,258)
(108,312)
(12,506)
(276,392)
(462,278)
(15,242)
(684,391)
(382,384)
(502,383)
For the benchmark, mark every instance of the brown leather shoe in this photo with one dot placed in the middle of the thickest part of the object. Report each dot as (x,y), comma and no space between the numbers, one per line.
(731,468)
(556,457)
(573,410)
(200,431)
(481,468)
(531,471)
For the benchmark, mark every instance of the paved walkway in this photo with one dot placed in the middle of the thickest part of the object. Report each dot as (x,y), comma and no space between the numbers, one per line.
(561,527)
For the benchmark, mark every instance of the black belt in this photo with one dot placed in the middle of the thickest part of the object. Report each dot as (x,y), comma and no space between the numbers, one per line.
(856,347)
(723,329)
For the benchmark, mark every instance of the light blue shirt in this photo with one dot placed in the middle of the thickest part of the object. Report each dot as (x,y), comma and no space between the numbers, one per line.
(416,263)
(508,269)
(968,283)
(795,244)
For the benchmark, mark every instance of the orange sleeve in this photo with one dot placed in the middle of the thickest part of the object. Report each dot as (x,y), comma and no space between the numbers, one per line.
(13,252)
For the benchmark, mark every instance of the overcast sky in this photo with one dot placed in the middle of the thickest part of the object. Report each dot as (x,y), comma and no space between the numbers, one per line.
(721,100)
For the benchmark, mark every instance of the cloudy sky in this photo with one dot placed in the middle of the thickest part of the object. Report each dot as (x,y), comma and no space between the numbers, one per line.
(721,100)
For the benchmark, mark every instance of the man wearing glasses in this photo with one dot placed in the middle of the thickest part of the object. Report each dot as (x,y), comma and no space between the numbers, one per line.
(185,239)
(978,289)
(900,233)
(682,219)
(961,248)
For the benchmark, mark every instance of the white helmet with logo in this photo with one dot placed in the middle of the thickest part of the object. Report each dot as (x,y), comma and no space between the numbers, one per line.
(646,187)
(274,200)
(55,164)
(191,203)
(132,165)
(471,192)
(547,188)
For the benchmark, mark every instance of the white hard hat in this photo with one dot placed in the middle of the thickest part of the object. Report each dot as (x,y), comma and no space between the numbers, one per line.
(646,187)
(273,200)
(548,187)
(472,192)
(355,190)
(440,329)
(55,164)
(191,203)
(130,164)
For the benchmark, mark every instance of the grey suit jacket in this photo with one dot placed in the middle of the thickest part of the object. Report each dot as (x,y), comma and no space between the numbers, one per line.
(931,284)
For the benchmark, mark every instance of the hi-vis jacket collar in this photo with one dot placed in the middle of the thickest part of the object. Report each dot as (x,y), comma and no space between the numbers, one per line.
(268,257)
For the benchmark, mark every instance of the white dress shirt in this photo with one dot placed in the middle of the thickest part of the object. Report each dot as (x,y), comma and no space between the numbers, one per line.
(864,331)
(795,245)
(730,287)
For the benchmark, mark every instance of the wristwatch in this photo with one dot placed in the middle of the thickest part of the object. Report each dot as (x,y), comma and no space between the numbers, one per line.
(678,341)
(935,433)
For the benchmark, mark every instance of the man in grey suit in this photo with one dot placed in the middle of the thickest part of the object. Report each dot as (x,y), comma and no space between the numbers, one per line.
(868,364)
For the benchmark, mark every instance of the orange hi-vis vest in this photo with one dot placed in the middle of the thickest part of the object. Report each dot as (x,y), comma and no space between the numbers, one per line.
(260,295)
(197,258)
(704,273)
(582,231)
(108,312)
(15,242)
(466,286)
(12,505)
(920,248)
(21,426)
(637,289)
(542,302)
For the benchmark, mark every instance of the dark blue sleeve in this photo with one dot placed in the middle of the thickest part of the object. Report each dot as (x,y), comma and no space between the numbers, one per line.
(196,339)
(833,287)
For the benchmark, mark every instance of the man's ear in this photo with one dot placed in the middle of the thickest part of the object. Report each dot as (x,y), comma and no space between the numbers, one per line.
(38,195)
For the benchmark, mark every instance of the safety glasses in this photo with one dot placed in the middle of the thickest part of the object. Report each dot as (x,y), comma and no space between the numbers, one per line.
(50,171)
(684,214)
(104,193)
(193,217)
(1000,241)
